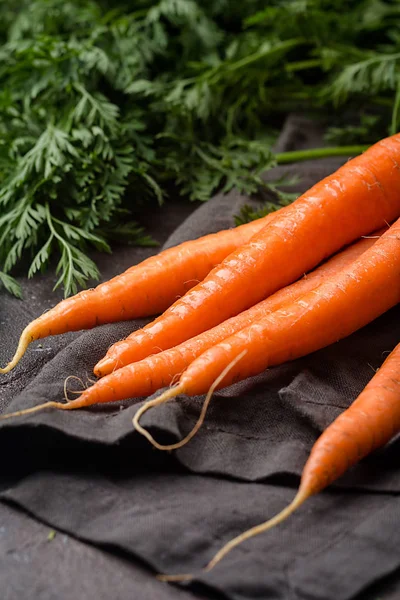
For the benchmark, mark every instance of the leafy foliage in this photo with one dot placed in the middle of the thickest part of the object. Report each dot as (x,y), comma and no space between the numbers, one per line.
(107,105)
(277,197)
(10,284)
(364,129)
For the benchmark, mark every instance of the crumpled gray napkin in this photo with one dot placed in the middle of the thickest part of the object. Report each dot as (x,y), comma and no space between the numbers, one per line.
(88,474)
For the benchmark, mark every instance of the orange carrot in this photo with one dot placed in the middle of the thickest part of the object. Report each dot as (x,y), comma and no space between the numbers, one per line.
(143,290)
(371,421)
(360,197)
(191,348)
(154,372)
(333,310)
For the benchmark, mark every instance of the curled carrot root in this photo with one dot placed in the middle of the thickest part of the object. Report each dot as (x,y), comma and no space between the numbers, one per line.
(72,391)
(168,395)
(172,393)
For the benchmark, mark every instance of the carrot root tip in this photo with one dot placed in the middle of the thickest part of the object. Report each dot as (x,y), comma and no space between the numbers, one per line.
(24,341)
(71,405)
(300,497)
(26,338)
(167,395)
(33,409)
(105,366)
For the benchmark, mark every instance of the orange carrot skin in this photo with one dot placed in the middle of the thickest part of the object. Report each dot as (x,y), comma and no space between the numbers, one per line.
(145,377)
(148,288)
(195,346)
(144,289)
(370,422)
(360,197)
(336,308)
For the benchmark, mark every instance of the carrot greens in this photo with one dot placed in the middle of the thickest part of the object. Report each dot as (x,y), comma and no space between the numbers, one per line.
(107,106)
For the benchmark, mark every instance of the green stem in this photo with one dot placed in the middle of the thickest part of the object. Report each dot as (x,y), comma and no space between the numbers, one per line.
(284,158)
(266,53)
(303,64)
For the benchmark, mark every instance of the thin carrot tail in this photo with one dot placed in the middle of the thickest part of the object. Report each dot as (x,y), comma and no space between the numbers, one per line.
(172,393)
(71,405)
(33,409)
(300,497)
(24,341)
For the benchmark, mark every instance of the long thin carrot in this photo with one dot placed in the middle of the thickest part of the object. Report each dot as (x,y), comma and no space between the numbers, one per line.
(198,344)
(371,421)
(144,289)
(360,197)
(333,310)
(154,372)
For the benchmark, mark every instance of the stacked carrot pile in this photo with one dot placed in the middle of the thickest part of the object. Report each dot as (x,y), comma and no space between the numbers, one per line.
(254,308)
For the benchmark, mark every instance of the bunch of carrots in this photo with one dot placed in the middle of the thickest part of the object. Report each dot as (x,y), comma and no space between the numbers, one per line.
(253,308)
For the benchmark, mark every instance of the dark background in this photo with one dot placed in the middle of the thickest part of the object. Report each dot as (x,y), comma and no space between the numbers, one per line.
(122,512)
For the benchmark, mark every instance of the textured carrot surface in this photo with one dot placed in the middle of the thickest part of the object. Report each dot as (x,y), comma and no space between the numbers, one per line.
(144,289)
(336,308)
(154,372)
(371,422)
(360,197)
